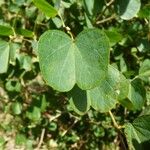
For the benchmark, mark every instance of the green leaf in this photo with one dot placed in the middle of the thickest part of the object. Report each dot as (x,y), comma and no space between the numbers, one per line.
(145,69)
(93,6)
(4,56)
(34,113)
(25,61)
(79,100)
(45,7)
(105,96)
(144,12)
(128,9)
(138,132)
(24,32)
(64,62)
(16,108)
(136,96)
(114,36)
(6,30)
(20,139)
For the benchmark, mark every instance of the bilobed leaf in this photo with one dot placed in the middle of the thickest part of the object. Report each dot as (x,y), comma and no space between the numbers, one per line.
(6,30)
(138,132)
(128,9)
(4,56)
(106,95)
(45,7)
(64,62)
(79,100)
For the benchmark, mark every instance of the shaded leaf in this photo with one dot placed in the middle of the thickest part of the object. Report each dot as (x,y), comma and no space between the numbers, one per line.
(138,132)
(79,100)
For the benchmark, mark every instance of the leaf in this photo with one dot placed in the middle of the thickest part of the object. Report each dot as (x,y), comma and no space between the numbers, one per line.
(6,30)
(136,96)
(144,12)
(20,139)
(45,7)
(79,101)
(128,9)
(105,96)
(145,69)
(24,32)
(34,113)
(64,62)
(114,36)
(4,56)
(93,6)
(16,108)
(138,132)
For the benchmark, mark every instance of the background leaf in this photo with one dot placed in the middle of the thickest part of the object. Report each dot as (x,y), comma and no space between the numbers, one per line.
(128,9)
(45,7)
(4,56)
(138,132)
(6,30)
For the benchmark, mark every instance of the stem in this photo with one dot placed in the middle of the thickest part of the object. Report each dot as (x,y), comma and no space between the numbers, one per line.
(107,5)
(114,121)
(107,19)
(120,134)
(66,27)
(41,139)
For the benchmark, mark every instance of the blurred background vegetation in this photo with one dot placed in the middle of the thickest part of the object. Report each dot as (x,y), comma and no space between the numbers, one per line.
(32,114)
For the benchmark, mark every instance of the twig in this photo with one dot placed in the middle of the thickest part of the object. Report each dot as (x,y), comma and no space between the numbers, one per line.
(120,134)
(114,121)
(107,5)
(107,19)
(66,27)
(69,127)
(41,139)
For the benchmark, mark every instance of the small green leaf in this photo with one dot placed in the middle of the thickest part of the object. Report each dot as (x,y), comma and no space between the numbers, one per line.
(93,7)
(6,30)
(145,69)
(34,114)
(16,108)
(79,100)
(20,139)
(4,56)
(45,7)
(25,61)
(138,132)
(64,62)
(114,36)
(24,32)
(105,96)
(144,12)
(128,9)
